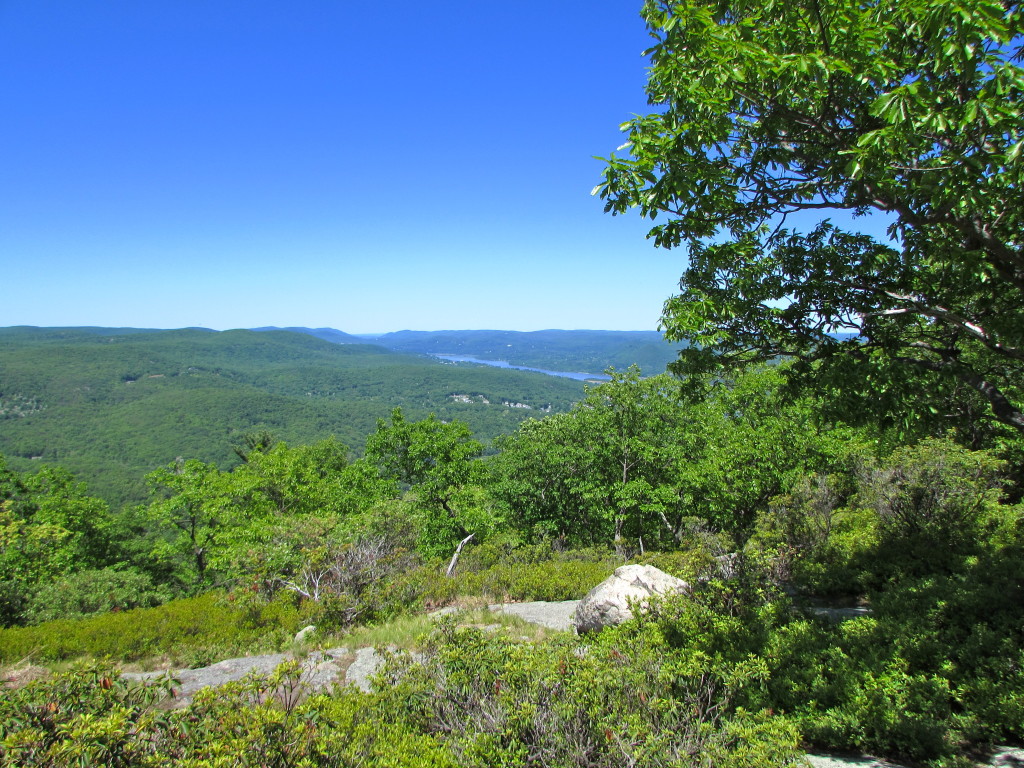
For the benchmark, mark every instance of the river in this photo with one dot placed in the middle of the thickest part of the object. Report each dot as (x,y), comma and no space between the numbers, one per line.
(504,364)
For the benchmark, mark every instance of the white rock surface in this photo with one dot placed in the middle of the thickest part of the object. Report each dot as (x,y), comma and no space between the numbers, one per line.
(551,615)
(366,664)
(608,603)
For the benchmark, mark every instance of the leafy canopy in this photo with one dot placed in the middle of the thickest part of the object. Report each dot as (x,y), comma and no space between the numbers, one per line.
(631,462)
(771,108)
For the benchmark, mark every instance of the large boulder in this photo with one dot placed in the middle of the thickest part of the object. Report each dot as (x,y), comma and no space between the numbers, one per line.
(608,603)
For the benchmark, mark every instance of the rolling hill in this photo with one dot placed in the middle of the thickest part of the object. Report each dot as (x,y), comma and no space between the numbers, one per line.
(113,404)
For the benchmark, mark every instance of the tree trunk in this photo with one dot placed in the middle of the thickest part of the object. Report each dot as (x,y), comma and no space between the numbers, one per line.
(455,558)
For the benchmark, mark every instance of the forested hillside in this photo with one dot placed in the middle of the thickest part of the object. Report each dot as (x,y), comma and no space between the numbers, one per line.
(114,404)
(327,334)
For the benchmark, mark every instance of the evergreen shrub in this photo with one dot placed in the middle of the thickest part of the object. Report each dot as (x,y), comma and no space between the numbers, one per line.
(615,702)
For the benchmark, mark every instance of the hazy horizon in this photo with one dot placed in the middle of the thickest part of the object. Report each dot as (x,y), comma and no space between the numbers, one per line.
(342,330)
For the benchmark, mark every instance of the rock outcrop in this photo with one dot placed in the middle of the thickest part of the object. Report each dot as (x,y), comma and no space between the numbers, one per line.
(608,603)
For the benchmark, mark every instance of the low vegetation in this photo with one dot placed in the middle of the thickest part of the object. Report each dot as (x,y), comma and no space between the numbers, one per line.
(924,533)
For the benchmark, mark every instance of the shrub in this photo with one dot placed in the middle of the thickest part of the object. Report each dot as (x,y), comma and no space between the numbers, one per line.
(91,717)
(553,580)
(814,539)
(86,716)
(932,501)
(922,510)
(497,702)
(93,591)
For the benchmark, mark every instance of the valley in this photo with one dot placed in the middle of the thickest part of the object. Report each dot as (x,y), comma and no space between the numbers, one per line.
(113,404)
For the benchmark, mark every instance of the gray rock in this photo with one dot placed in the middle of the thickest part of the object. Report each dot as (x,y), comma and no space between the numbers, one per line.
(1001,757)
(608,603)
(847,761)
(367,663)
(835,615)
(1007,757)
(319,671)
(304,633)
(448,610)
(727,565)
(193,680)
(551,615)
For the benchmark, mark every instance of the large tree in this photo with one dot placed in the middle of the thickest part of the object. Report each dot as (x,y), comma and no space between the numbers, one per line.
(912,108)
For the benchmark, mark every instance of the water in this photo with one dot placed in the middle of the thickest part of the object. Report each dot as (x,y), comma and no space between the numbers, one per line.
(504,364)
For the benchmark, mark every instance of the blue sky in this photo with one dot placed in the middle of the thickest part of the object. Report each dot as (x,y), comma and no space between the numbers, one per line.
(363,166)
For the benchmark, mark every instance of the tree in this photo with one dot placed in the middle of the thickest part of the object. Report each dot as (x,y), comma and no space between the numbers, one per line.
(777,107)
(193,502)
(256,521)
(437,460)
(49,526)
(609,471)
(632,462)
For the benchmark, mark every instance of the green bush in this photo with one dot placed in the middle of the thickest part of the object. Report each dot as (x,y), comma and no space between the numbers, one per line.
(934,502)
(501,703)
(937,665)
(940,663)
(815,539)
(180,626)
(850,689)
(553,580)
(90,717)
(922,510)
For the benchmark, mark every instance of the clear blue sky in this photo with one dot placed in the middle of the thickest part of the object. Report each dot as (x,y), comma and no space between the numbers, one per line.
(366,166)
(360,165)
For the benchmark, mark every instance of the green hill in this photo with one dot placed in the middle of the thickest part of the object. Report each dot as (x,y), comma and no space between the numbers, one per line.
(112,404)
(327,334)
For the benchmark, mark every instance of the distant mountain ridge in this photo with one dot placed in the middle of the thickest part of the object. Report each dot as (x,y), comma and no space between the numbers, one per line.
(557,350)
(327,334)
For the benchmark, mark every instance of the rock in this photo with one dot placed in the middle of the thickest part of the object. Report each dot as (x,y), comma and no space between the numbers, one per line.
(448,610)
(192,680)
(1001,757)
(848,761)
(367,663)
(305,632)
(551,615)
(319,671)
(727,565)
(607,604)
(1007,757)
(835,615)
